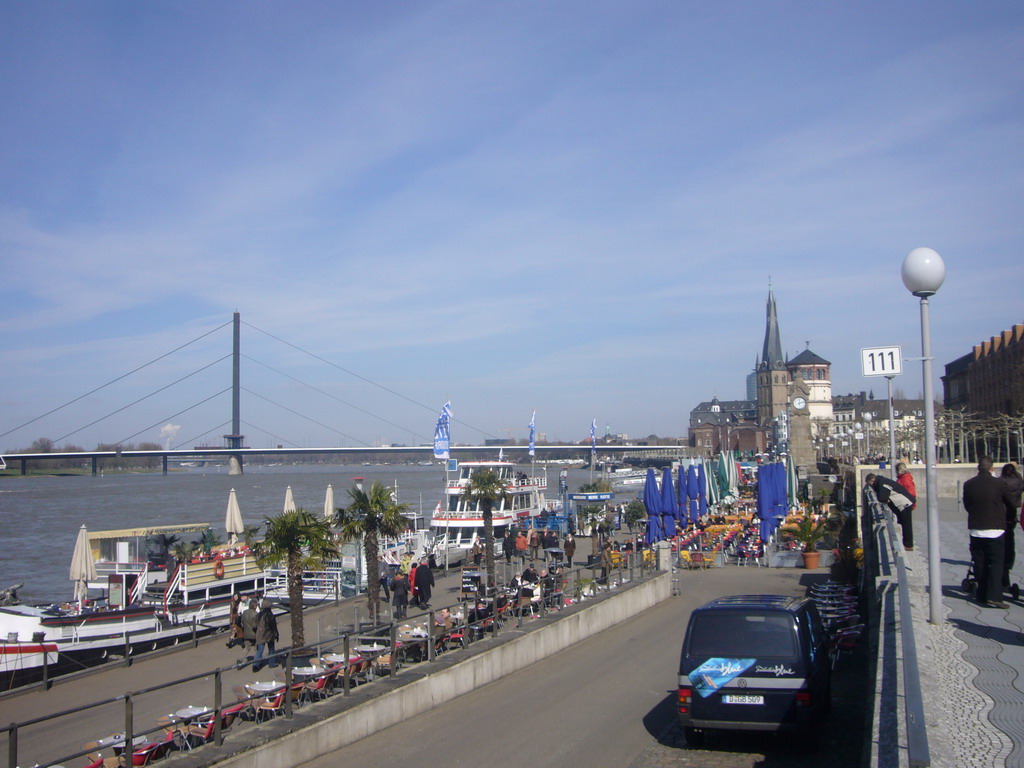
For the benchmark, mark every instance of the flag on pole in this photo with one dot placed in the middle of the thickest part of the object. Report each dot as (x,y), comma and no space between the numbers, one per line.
(442,432)
(593,437)
(533,433)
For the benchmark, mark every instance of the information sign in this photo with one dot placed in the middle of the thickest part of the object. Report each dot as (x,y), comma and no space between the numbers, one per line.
(881,361)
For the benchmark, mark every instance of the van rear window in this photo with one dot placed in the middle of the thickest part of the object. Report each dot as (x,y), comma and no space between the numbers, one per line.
(742,635)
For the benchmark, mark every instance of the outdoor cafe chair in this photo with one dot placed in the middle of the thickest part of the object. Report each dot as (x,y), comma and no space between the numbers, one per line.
(270,706)
(316,689)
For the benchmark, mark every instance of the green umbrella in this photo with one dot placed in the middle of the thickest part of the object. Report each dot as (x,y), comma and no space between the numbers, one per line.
(792,483)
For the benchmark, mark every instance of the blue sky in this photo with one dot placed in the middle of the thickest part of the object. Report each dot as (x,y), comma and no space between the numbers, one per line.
(567,207)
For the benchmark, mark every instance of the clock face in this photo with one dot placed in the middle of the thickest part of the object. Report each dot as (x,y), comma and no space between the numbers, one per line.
(799,403)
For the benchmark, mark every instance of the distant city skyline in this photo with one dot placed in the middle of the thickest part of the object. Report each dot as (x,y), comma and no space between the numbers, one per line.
(572,208)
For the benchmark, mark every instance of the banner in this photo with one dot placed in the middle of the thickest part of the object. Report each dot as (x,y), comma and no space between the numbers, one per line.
(533,433)
(442,432)
(593,437)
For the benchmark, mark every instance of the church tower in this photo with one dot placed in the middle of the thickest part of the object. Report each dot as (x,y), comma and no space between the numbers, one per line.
(772,374)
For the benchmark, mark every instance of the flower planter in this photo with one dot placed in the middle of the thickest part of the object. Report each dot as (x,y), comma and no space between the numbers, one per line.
(811,559)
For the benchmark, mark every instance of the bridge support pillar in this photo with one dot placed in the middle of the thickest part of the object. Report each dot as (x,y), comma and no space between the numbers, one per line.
(164,462)
(24,466)
(95,462)
(235,464)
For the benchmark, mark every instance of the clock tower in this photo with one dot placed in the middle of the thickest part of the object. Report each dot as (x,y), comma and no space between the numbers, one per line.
(800,446)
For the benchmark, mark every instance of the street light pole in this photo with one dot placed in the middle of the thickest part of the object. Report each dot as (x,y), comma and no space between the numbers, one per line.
(923,272)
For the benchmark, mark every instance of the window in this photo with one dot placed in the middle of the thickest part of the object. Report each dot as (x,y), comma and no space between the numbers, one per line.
(742,635)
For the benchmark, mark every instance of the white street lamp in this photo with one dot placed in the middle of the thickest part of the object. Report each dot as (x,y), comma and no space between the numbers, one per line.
(923,272)
(867,429)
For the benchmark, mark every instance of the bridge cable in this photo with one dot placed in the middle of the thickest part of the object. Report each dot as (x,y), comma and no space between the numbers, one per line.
(363,378)
(178,447)
(113,381)
(144,397)
(174,415)
(307,418)
(336,398)
(276,437)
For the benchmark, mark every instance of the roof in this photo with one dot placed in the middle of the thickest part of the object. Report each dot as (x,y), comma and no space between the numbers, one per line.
(151,530)
(771,352)
(772,602)
(808,358)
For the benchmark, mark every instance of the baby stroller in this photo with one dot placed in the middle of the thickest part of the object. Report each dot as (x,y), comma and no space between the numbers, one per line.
(970,585)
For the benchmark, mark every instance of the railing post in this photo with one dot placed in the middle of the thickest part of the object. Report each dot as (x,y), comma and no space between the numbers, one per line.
(46,668)
(393,669)
(288,685)
(127,649)
(12,746)
(431,655)
(345,687)
(218,736)
(195,637)
(129,727)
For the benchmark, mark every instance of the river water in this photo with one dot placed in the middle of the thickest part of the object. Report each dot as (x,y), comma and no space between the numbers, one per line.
(40,516)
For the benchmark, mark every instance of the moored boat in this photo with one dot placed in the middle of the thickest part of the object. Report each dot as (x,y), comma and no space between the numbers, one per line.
(455,523)
(131,606)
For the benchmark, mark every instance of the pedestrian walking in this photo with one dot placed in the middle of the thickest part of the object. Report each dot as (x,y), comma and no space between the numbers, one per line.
(235,621)
(266,637)
(400,595)
(424,584)
(508,546)
(521,546)
(248,622)
(1015,484)
(989,508)
(534,541)
(384,580)
(569,547)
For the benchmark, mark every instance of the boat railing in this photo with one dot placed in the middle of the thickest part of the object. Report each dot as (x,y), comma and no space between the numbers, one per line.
(140,585)
(173,584)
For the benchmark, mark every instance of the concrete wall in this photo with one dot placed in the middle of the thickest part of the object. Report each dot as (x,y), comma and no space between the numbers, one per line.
(311,735)
(950,477)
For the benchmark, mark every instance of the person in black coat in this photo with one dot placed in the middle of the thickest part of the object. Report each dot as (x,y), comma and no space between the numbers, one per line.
(1015,484)
(400,595)
(424,584)
(508,546)
(989,510)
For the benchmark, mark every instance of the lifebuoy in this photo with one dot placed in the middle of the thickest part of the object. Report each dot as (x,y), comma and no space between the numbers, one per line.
(218,569)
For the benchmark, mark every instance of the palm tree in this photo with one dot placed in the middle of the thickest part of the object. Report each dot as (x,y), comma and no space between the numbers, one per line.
(207,541)
(372,514)
(249,535)
(164,542)
(486,488)
(183,550)
(303,540)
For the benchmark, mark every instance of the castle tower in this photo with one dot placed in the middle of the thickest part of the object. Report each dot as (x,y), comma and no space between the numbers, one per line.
(772,374)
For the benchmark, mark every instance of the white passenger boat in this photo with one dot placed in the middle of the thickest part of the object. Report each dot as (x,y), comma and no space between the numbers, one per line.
(132,606)
(455,523)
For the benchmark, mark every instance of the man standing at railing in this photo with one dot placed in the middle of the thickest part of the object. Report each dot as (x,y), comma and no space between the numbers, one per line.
(988,504)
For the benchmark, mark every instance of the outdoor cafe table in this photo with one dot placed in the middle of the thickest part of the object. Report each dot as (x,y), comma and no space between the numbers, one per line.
(116,740)
(371,651)
(306,671)
(265,687)
(337,658)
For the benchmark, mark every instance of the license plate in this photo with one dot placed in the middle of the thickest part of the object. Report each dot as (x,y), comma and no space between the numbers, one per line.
(742,698)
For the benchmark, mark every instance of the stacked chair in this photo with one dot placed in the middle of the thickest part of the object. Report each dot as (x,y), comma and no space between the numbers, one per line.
(837,604)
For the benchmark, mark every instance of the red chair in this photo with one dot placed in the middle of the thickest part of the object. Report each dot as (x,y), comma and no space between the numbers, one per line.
(143,755)
(271,706)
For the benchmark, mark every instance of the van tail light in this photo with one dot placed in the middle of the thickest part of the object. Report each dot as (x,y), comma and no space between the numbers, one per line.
(685,695)
(803,698)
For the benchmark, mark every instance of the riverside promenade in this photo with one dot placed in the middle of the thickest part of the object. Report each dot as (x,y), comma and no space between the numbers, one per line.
(971,664)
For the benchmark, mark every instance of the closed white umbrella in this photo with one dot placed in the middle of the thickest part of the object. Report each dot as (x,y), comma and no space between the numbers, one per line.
(289,500)
(329,502)
(83,569)
(233,519)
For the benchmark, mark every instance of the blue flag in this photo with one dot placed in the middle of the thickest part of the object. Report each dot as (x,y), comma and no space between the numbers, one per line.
(442,432)
(533,433)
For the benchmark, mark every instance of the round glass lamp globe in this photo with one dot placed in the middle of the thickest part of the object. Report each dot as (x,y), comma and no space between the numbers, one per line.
(923,271)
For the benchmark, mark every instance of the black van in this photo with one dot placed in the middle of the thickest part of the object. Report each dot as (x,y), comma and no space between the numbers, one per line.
(754,662)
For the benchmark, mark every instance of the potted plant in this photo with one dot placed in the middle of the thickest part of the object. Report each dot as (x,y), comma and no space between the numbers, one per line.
(809,532)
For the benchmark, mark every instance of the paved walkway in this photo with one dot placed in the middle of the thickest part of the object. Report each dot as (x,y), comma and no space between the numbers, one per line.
(973,692)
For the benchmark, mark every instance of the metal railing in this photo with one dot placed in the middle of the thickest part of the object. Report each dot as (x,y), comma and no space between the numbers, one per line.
(887,541)
(507,608)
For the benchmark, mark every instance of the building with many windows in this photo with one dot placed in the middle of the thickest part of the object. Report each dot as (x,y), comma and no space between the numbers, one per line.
(989,380)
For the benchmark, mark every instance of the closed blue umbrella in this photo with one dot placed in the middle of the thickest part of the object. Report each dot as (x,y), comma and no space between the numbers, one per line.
(692,492)
(669,506)
(652,502)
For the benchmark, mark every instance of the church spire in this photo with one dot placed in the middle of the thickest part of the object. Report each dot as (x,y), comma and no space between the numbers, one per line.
(771,352)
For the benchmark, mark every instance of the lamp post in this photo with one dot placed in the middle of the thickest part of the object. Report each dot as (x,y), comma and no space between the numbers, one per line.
(867,430)
(923,272)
